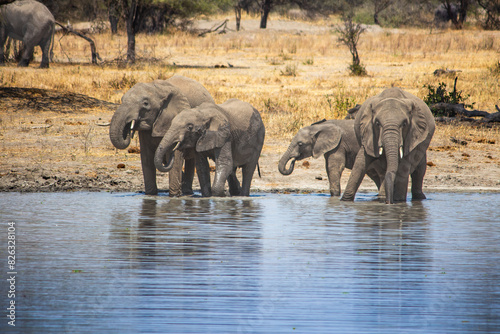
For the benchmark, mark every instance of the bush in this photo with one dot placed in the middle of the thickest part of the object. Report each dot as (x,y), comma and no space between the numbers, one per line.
(440,94)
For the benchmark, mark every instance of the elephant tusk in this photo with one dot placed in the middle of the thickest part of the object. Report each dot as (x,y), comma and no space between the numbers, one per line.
(176,146)
(401,152)
(132,124)
(380,150)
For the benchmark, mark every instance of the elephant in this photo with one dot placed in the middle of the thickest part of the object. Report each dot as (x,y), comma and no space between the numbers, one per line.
(149,109)
(336,140)
(394,128)
(442,15)
(231,134)
(30,22)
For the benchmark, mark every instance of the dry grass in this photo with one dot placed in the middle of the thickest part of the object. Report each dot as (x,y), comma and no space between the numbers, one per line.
(318,87)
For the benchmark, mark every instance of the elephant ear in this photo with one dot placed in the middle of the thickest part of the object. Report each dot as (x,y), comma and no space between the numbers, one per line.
(327,139)
(217,127)
(421,124)
(366,132)
(172,102)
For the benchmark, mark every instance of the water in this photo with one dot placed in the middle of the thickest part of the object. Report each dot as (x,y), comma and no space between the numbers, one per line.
(129,263)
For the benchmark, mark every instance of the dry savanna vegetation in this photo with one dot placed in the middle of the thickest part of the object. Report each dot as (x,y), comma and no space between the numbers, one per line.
(295,73)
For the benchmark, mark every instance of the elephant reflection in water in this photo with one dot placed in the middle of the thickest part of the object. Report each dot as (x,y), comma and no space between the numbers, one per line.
(191,227)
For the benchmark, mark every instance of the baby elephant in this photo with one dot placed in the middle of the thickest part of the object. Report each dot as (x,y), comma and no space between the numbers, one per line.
(336,140)
(231,134)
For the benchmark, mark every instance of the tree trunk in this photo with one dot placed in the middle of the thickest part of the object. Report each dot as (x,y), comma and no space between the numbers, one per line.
(131,12)
(237,11)
(266,8)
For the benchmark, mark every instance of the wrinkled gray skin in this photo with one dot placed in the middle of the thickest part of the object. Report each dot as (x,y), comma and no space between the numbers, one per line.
(30,22)
(442,16)
(394,128)
(231,134)
(150,107)
(336,140)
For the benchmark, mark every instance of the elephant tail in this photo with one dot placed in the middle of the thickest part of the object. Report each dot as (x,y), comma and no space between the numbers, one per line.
(258,170)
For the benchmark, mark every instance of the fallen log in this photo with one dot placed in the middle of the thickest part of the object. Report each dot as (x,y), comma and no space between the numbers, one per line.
(451,110)
(214,28)
(93,49)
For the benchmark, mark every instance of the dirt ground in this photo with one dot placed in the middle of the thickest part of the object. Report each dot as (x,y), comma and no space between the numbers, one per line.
(54,141)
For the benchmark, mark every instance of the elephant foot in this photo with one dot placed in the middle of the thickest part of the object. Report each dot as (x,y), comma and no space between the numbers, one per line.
(23,63)
(347,198)
(418,196)
(334,193)
(44,65)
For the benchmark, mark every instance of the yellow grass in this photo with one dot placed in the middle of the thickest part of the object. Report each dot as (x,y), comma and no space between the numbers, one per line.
(292,78)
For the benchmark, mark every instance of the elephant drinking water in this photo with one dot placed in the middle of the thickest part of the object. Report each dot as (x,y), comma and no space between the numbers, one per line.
(231,134)
(395,129)
(149,108)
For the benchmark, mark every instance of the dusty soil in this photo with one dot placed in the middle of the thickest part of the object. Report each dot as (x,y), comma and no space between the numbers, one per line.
(54,141)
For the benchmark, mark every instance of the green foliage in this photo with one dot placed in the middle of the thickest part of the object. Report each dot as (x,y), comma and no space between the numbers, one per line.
(357,70)
(440,94)
(339,102)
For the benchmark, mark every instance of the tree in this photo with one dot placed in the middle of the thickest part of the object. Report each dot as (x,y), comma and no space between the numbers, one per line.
(379,6)
(349,34)
(457,20)
(492,14)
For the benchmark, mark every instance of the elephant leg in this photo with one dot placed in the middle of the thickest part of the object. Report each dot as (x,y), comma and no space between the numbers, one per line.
(234,184)
(147,162)
(334,164)
(357,174)
(203,171)
(417,180)
(45,46)
(175,175)
(401,181)
(247,174)
(188,176)
(372,174)
(3,38)
(223,168)
(27,54)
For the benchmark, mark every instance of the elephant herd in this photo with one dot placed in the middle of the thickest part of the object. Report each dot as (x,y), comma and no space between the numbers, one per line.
(180,127)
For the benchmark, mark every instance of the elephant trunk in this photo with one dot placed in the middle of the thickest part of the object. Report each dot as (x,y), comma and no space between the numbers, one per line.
(167,147)
(121,129)
(392,147)
(284,160)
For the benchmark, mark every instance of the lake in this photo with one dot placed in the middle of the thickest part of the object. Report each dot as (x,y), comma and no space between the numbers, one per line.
(270,263)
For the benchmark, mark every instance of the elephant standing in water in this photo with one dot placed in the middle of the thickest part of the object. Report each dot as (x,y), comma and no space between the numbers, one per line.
(149,109)
(336,140)
(394,128)
(231,134)
(30,22)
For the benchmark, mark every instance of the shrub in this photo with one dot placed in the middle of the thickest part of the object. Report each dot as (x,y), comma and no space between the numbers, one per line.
(440,94)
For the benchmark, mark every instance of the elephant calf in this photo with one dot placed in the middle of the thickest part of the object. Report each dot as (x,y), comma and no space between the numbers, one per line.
(231,134)
(336,140)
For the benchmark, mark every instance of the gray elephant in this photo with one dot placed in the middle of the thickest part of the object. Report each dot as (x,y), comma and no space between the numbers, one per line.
(231,134)
(445,13)
(149,109)
(30,22)
(394,128)
(336,140)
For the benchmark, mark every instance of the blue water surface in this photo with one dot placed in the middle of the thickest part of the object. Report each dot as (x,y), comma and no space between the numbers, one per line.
(271,263)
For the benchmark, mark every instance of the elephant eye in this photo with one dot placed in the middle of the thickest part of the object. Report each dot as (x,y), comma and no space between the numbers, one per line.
(190,127)
(377,123)
(405,123)
(300,143)
(145,103)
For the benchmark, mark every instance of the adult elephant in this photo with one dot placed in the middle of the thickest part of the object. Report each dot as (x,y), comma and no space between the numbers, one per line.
(30,22)
(149,109)
(394,128)
(231,134)
(336,140)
